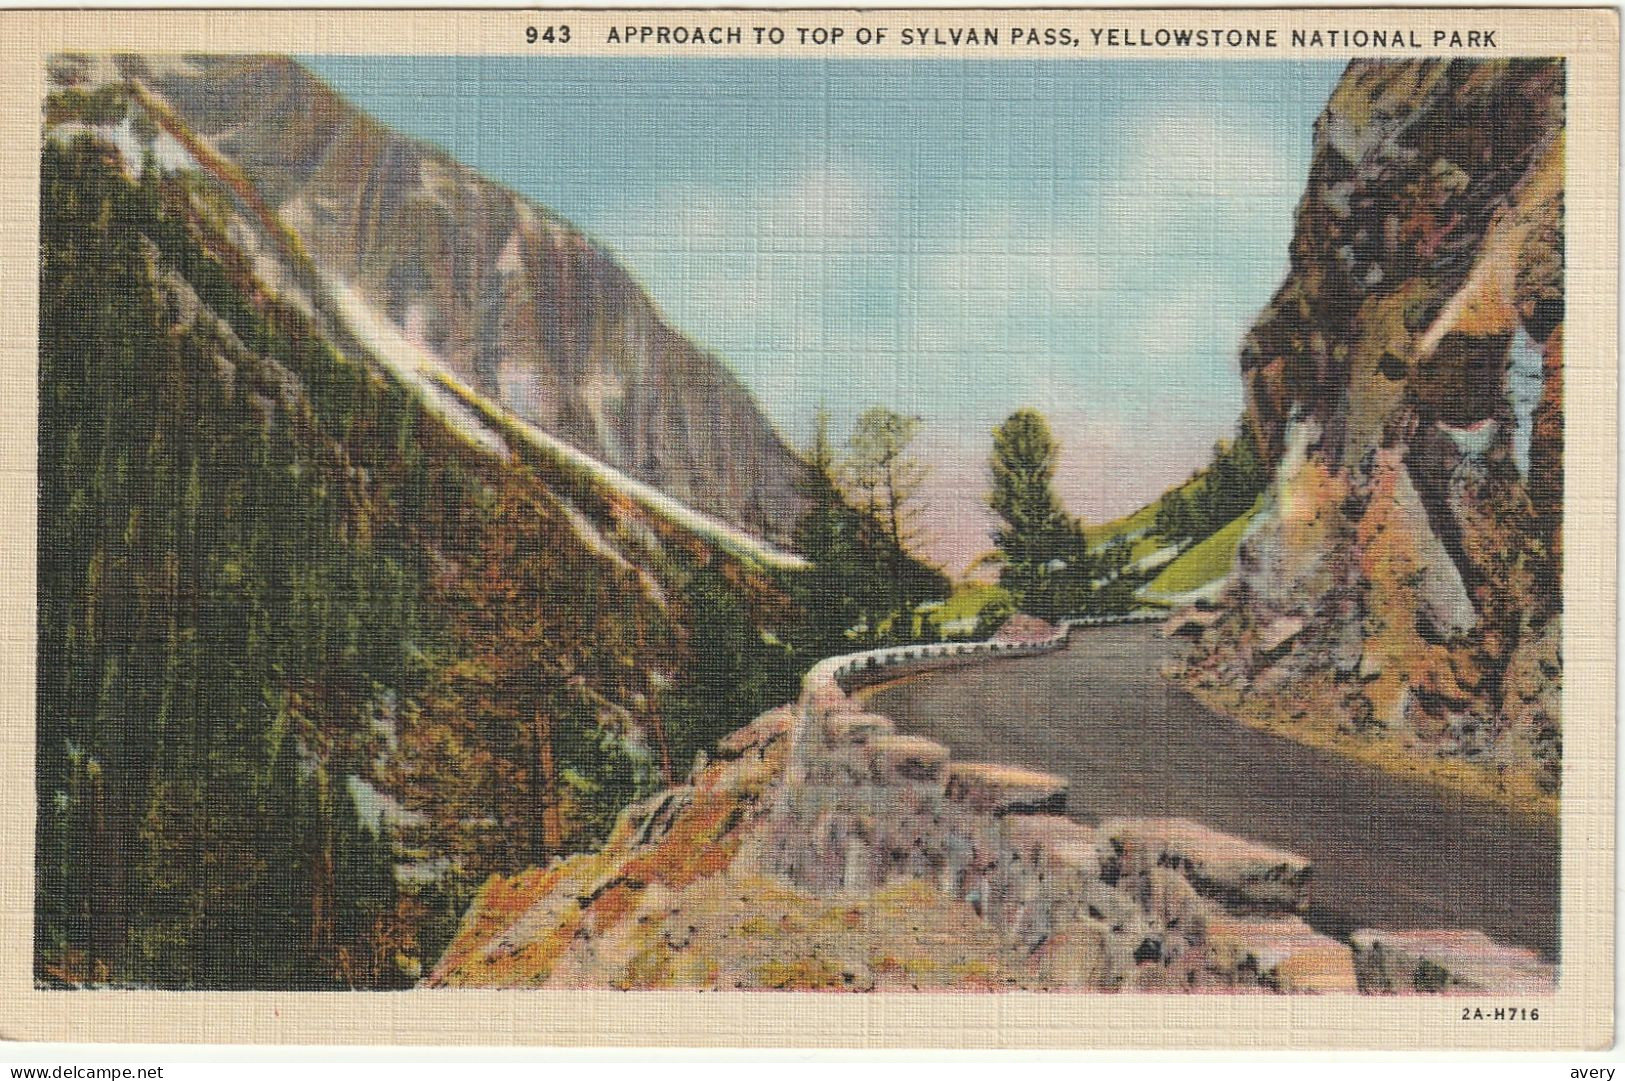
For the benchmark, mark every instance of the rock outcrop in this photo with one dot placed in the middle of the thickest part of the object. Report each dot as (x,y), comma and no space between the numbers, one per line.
(821,850)
(1430,962)
(1404,574)
(513,299)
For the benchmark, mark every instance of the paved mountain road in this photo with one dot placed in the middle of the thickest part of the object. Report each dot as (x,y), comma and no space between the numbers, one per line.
(1387,852)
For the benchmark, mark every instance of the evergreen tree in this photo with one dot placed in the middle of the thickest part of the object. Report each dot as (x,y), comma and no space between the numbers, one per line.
(888,479)
(1217,494)
(839,586)
(1045,558)
(733,674)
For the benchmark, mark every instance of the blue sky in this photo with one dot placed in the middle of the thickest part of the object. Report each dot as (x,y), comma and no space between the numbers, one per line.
(951,239)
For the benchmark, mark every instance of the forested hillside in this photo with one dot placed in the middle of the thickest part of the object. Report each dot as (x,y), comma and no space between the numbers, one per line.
(324,644)
(311,662)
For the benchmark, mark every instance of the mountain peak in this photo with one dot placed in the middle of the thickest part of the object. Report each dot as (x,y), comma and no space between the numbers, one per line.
(512,299)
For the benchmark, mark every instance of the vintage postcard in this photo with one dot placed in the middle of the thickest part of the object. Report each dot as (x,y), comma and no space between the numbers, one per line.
(1055,528)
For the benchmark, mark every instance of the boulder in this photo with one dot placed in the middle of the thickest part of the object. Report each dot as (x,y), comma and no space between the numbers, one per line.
(1173,907)
(850,727)
(1025,630)
(995,789)
(1078,955)
(758,734)
(908,760)
(1283,953)
(1191,622)
(1242,875)
(1277,634)
(1433,961)
(1044,838)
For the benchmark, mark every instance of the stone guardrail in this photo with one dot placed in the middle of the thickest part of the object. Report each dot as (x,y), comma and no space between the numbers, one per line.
(1148,903)
(823,683)
(1115,906)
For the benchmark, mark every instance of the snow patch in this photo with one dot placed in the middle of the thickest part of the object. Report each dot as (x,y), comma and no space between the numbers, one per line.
(678,513)
(508,262)
(169,155)
(457,404)
(1525,381)
(378,809)
(415,367)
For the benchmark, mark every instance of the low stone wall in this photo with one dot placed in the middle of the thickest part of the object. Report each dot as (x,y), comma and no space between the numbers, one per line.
(1162,903)
(820,849)
(865,674)
(851,671)
(1126,905)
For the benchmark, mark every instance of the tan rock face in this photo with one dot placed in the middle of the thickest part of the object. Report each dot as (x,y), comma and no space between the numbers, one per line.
(908,760)
(856,727)
(1406,381)
(1287,954)
(996,789)
(1244,874)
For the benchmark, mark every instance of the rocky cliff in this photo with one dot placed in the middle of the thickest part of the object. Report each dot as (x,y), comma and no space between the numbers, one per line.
(1402,579)
(513,299)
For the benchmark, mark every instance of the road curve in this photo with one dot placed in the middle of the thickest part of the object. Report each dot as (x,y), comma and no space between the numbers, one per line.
(1388,852)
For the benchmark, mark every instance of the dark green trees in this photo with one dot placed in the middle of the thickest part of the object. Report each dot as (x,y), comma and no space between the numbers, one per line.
(1044,559)
(1218,494)
(858,534)
(733,671)
(209,628)
(839,586)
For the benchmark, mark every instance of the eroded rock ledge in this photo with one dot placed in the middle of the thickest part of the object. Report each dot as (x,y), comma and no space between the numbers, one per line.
(822,850)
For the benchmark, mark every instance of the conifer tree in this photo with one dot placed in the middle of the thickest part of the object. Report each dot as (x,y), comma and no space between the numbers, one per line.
(888,477)
(839,585)
(1041,544)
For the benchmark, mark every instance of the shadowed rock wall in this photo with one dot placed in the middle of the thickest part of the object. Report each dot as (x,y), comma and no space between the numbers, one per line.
(1406,381)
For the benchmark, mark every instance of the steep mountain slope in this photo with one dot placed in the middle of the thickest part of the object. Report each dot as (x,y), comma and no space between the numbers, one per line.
(1402,579)
(319,649)
(517,303)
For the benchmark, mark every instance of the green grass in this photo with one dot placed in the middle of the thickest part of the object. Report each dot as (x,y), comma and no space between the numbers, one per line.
(1105,533)
(1139,521)
(967,601)
(1204,562)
